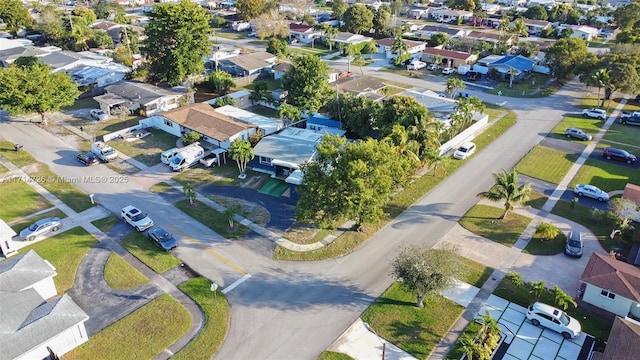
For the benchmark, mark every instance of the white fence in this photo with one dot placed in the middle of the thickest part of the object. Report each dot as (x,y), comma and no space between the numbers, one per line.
(467,135)
(119,133)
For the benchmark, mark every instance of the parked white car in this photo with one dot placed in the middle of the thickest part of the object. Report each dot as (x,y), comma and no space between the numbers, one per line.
(432,67)
(595,113)
(591,191)
(448,71)
(555,319)
(465,150)
(417,65)
(136,218)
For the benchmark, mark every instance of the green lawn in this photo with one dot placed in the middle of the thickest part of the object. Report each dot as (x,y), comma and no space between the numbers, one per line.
(148,149)
(537,246)
(591,324)
(217,318)
(626,134)
(22,224)
(211,218)
(142,334)
(64,251)
(475,273)
(144,249)
(106,224)
(87,103)
(531,87)
(587,124)
(332,355)
(536,200)
(18,199)
(161,187)
(120,275)
(483,220)
(546,164)
(607,175)
(65,191)
(395,318)
(99,128)
(225,175)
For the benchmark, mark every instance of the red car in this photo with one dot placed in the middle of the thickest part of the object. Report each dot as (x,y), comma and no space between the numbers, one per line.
(619,154)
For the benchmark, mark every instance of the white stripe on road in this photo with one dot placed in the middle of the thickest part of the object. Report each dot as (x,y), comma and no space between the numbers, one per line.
(236,283)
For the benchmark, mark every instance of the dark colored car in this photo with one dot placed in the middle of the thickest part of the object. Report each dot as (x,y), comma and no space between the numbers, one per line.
(162,238)
(575,244)
(88,158)
(577,133)
(473,76)
(619,154)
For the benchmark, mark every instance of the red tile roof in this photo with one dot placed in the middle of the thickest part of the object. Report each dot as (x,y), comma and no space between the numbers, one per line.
(632,192)
(613,275)
(300,27)
(448,54)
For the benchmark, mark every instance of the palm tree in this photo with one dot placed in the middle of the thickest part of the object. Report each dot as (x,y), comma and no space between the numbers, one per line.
(399,45)
(454,85)
(519,27)
(370,48)
(507,188)
(563,299)
(513,72)
(436,160)
(602,78)
(437,59)
(465,109)
(515,279)
(547,231)
(189,192)
(329,34)
(537,289)
(406,146)
(242,152)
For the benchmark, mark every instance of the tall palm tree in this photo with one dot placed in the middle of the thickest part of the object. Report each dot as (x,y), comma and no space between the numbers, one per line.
(507,188)
(401,138)
(242,152)
(370,48)
(399,45)
(519,28)
(454,85)
(601,78)
(466,107)
(437,59)
(330,33)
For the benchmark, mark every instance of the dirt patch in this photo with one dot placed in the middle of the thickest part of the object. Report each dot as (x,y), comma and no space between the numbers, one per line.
(302,233)
(247,209)
(122,167)
(203,94)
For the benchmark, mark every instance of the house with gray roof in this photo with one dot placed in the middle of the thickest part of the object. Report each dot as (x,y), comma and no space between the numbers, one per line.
(517,66)
(138,97)
(427,31)
(8,56)
(35,323)
(248,64)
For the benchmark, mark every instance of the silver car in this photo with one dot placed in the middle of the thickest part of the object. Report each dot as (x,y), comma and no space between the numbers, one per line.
(575,245)
(40,227)
(591,191)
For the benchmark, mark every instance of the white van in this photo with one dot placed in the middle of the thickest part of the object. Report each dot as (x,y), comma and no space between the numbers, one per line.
(166,156)
(465,150)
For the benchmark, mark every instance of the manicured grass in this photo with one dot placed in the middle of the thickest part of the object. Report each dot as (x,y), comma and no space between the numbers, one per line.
(18,199)
(154,257)
(87,103)
(106,224)
(23,224)
(607,175)
(64,251)
(120,275)
(587,124)
(532,87)
(351,240)
(475,273)
(99,128)
(217,318)
(161,187)
(626,134)
(332,355)
(211,218)
(395,318)
(143,334)
(148,149)
(483,220)
(537,246)
(546,164)
(65,191)
(225,175)
(591,324)
(536,200)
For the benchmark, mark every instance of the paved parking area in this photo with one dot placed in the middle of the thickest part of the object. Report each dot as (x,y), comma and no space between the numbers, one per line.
(526,341)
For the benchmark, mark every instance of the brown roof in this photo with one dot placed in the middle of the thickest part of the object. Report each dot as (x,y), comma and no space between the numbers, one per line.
(389,42)
(283,66)
(201,117)
(448,54)
(632,192)
(613,275)
(299,27)
(623,343)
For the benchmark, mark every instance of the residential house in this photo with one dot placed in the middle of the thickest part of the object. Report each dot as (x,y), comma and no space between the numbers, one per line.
(611,285)
(451,16)
(7,246)
(317,123)
(441,108)
(36,323)
(13,43)
(221,52)
(241,98)
(491,9)
(449,58)
(517,66)
(9,55)
(419,11)
(138,97)
(359,85)
(536,26)
(217,129)
(248,64)
(282,154)
(281,69)
(266,125)
(303,33)
(427,31)
(490,37)
(385,46)
(586,33)
(623,342)
(344,39)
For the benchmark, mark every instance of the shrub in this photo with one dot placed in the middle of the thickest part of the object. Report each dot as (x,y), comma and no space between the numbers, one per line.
(190,138)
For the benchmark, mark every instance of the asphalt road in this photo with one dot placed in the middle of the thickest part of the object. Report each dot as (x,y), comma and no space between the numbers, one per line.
(293,309)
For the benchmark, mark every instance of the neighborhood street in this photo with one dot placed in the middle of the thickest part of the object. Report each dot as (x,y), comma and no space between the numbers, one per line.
(296,309)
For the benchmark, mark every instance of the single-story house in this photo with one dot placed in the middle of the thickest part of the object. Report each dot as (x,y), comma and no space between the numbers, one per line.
(427,31)
(450,58)
(7,247)
(359,85)
(385,46)
(345,39)
(317,123)
(536,26)
(281,69)
(418,12)
(242,99)
(440,107)
(611,285)
(586,33)
(214,127)
(221,52)
(489,37)
(266,125)
(8,43)
(491,8)
(9,55)
(36,323)
(138,97)
(451,16)
(303,33)
(248,64)
(623,342)
(511,65)
(281,154)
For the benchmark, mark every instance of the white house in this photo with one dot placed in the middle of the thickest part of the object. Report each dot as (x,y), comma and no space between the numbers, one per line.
(586,33)
(385,46)
(36,323)
(346,38)
(266,125)
(612,285)
(303,33)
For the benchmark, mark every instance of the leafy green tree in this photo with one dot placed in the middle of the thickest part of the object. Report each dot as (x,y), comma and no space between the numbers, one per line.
(426,272)
(358,18)
(565,56)
(507,189)
(224,100)
(468,5)
(514,279)
(528,48)
(547,231)
(106,10)
(518,27)
(565,33)
(536,12)
(454,85)
(15,15)
(34,88)
(191,137)
(242,152)
(291,113)
(84,13)
(438,39)
(355,113)
(339,7)
(271,23)
(260,92)
(220,82)
(50,23)
(102,39)
(625,211)
(278,47)
(250,9)
(177,40)
(382,23)
(627,17)
(308,83)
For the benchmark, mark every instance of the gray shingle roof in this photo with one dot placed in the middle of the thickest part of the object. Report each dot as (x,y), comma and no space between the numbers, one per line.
(22,271)
(137,92)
